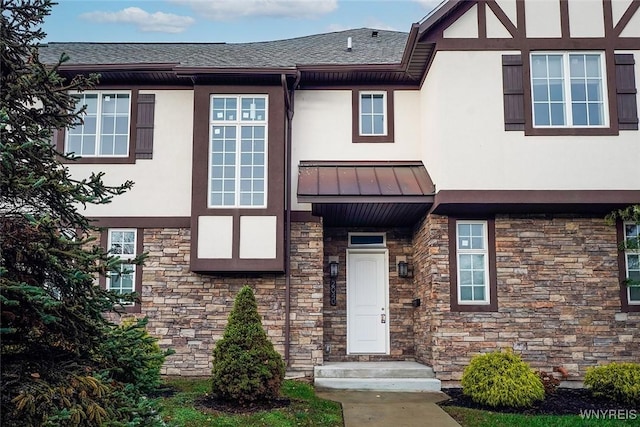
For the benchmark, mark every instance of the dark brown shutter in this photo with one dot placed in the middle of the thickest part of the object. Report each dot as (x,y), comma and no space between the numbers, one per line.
(626,92)
(513,90)
(144,126)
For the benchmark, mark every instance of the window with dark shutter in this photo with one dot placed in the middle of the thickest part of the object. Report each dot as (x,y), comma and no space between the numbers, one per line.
(513,90)
(144,126)
(626,92)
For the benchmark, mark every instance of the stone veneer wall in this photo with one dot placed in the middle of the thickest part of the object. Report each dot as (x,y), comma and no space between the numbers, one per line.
(188,311)
(401,294)
(558,296)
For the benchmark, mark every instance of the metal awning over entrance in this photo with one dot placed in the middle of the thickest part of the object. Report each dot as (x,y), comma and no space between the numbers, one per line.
(358,194)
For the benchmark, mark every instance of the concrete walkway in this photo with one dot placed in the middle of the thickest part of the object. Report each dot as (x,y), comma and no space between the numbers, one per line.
(384,409)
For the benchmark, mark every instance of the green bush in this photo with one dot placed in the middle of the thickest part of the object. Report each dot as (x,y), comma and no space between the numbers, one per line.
(245,365)
(501,379)
(132,356)
(617,381)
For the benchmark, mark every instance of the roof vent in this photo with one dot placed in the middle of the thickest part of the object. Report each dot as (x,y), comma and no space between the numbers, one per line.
(349,44)
(374,33)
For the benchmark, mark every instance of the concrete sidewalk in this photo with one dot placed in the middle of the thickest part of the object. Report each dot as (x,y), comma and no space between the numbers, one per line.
(384,409)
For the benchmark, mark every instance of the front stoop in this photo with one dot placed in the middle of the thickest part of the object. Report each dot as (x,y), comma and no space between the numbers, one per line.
(379,376)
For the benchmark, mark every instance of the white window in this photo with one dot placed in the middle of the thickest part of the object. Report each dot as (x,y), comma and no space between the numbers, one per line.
(238,151)
(105,127)
(632,261)
(473,264)
(373,113)
(568,89)
(122,243)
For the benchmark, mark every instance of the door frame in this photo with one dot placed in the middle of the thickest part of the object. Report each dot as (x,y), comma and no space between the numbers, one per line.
(383,251)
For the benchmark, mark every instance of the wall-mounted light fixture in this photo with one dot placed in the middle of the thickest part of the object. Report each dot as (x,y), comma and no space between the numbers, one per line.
(333,274)
(403,269)
(333,269)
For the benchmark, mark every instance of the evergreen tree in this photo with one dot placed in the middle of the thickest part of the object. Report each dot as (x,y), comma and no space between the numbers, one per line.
(52,327)
(246,367)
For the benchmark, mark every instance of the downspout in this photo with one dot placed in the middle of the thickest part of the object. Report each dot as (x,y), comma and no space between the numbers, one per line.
(289,101)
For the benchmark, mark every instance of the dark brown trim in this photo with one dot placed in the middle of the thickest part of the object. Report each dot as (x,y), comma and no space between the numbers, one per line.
(502,17)
(626,17)
(104,160)
(355,116)
(142,221)
(482,20)
(102,280)
(622,271)
(565,29)
(453,267)
(521,20)
(275,191)
(304,216)
(582,43)
(533,201)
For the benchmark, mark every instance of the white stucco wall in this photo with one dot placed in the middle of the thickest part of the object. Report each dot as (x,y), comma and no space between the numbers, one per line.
(465,146)
(322,130)
(162,184)
(465,27)
(543,18)
(586,18)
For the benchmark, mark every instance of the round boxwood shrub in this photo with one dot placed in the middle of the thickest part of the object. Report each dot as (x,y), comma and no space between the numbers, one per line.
(617,381)
(246,367)
(501,379)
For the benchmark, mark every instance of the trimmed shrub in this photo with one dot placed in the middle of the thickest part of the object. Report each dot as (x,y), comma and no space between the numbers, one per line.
(501,379)
(616,381)
(246,367)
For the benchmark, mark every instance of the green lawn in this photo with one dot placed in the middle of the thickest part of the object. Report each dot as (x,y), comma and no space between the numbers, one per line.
(476,418)
(305,410)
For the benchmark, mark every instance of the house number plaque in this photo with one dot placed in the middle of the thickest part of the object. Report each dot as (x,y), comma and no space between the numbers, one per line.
(332,292)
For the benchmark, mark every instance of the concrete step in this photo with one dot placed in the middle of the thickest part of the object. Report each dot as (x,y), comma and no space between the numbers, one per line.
(380,384)
(382,376)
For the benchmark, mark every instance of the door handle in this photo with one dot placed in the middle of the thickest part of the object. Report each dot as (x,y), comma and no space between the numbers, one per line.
(383,318)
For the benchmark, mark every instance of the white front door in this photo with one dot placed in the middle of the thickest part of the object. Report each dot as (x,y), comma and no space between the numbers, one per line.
(367,301)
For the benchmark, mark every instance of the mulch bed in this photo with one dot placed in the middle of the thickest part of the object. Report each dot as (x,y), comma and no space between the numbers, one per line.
(565,401)
(212,405)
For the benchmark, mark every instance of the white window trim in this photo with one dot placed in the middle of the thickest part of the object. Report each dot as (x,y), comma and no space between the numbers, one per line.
(626,263)
(373,245)
(385,113)
(485,252)
(124,257)
(99,125)
(239,123)
(567,89)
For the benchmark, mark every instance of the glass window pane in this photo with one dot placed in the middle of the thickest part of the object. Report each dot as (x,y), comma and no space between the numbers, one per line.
(464,229)
(378,104)
(106,145)
(245,199)
(540,90)
(74,143)
(594,90)
(541,115)
(466,293)
(258,185)
(579,114)
(108,103)
(122,125)
(229,199)
(465,277)
(477,230)
(576,65)
(258,199)
(477,261)
(366,106)
(593,65)
(578,91)
(556,90)
(539,65)
(555,66)
(91,101)
(229,185)
(633,262)
(557,115)
(88,145)
(108,125)
(464,262)
(378,125)
(246,159)
(216,199)
(634,293)
(478,293)
(631,230)
(120,147)
(366,127)
(478,277)
(477,243)
(89,125)
(596,115)
(122,104)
